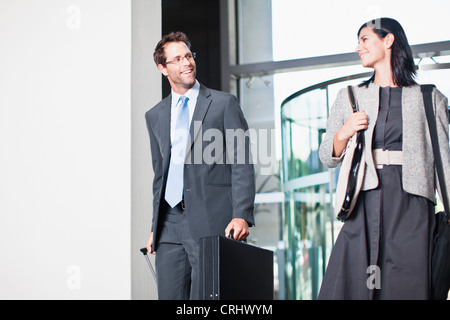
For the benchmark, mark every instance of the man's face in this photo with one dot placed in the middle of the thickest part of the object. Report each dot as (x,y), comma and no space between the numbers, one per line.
(181,74)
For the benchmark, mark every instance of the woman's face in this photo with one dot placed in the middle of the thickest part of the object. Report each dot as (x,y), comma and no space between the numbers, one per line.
(373,50)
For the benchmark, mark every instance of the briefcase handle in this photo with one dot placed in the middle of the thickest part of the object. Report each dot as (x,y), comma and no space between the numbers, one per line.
(230,236)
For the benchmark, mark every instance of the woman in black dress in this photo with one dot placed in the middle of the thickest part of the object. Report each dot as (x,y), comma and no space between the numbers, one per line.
(384,248)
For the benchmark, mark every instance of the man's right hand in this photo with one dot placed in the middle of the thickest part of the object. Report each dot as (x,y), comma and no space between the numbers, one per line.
(150,243)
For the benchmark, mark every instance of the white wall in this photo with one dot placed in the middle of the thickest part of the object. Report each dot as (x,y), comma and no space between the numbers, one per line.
(145,93)
(65,149)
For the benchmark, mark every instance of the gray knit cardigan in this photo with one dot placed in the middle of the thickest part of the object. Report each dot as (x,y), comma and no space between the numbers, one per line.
(418,161)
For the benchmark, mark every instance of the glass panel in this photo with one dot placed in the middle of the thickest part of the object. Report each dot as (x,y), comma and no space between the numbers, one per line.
(254,31)
(315,28)
(437,77)
(275,30)
(306,211)
(256,98)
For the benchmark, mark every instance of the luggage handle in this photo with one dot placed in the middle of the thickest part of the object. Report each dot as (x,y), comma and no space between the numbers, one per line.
(144,252)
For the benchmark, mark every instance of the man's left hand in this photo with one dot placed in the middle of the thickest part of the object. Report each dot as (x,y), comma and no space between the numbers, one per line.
(239,227)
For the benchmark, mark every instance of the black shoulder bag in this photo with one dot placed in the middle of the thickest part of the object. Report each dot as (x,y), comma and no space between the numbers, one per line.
(351,174)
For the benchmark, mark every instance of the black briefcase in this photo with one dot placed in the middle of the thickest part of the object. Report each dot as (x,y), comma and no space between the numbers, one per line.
(234,270)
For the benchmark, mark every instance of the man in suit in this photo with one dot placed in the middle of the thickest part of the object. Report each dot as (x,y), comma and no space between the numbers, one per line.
(200,197)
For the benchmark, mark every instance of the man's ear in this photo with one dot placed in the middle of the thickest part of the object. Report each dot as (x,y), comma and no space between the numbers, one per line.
(163,69)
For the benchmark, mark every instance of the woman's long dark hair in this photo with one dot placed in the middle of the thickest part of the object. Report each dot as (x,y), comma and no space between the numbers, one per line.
(402,62)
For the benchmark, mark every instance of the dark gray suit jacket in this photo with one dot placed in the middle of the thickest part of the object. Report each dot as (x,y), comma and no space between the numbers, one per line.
(214,193)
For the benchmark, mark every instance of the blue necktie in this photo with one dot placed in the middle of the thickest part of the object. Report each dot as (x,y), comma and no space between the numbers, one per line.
(174,186)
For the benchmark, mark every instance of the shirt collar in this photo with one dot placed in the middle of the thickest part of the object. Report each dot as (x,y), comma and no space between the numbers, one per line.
(192,93)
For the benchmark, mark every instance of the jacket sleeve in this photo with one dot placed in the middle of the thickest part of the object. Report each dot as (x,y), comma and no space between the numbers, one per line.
(336,120)
(442,123)
(239,155)
(157,165)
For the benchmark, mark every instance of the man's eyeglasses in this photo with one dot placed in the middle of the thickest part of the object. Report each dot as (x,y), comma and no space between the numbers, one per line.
(179,59)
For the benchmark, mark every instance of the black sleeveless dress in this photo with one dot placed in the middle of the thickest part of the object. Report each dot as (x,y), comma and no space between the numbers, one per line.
(383,250)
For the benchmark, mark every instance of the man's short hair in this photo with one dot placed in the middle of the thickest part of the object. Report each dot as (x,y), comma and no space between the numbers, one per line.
(159,54)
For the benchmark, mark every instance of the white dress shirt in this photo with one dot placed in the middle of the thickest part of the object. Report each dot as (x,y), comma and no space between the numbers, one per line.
(192,94)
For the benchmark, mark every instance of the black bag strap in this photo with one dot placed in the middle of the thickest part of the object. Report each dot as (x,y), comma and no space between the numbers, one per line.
(352,98)
(427,91)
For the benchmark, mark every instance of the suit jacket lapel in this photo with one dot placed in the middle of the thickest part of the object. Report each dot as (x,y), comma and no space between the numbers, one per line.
(201,108)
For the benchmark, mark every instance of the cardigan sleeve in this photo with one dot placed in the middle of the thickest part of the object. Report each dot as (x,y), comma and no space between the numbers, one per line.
(336,120)
(442,126)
